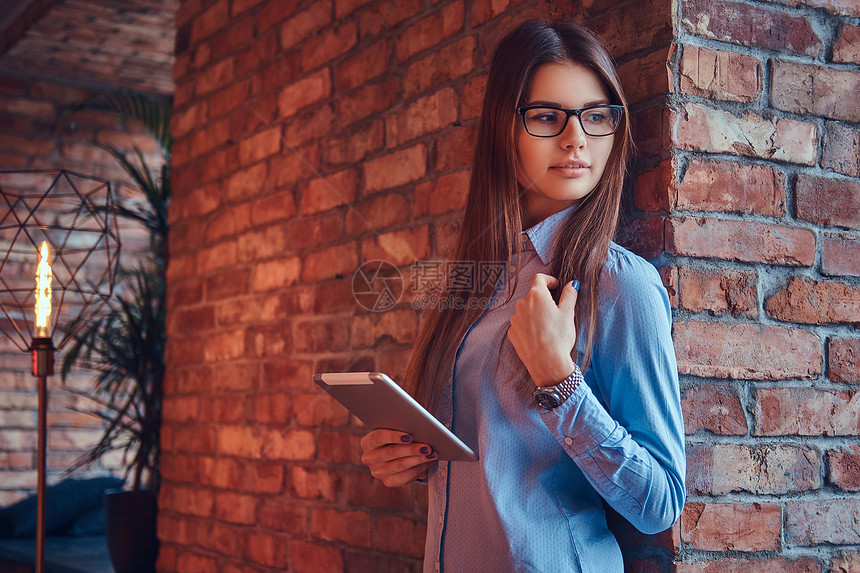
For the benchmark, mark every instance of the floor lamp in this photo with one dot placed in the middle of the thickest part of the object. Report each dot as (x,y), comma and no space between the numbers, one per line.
(60,247)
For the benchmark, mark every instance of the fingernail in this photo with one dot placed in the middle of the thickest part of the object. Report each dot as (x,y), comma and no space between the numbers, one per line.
(425,450)
(405,438)
(575,285)
(431,456)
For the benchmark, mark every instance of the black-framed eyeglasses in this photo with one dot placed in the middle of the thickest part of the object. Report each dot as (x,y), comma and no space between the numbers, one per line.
(595,120)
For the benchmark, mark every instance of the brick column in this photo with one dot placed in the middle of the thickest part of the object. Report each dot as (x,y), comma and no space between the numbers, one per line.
(760,194)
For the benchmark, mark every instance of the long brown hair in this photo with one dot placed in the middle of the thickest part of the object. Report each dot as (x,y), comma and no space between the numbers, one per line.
(492,220)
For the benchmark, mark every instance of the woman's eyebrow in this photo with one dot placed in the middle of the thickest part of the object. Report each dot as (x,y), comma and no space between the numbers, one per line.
(547,103)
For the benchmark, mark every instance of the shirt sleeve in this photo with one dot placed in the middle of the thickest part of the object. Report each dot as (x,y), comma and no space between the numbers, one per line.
(630,443)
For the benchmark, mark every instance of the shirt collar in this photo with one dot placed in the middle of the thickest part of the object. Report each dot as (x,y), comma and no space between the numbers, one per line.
(543,234)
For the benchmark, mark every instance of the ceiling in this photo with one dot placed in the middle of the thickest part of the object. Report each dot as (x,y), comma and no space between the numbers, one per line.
(92,43)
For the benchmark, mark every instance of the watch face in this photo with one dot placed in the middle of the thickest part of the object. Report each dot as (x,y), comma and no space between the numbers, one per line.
(547,400)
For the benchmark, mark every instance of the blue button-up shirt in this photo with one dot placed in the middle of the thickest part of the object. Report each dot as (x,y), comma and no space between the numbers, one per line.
(533,502)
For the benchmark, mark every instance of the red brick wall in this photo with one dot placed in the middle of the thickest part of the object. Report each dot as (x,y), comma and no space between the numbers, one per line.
(762,255)
(312,137)
(35,134)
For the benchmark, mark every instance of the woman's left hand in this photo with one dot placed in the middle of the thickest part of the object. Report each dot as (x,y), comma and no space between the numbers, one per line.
(543,333)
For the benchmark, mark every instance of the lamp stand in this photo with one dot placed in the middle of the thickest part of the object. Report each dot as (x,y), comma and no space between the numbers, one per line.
(43,366)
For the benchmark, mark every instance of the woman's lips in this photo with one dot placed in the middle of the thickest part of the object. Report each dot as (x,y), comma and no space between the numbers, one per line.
(571,168)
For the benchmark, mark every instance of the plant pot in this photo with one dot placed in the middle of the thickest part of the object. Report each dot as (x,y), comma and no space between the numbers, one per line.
(130,530)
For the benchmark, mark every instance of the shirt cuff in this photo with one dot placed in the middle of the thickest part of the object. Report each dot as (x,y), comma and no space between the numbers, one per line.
(580,424)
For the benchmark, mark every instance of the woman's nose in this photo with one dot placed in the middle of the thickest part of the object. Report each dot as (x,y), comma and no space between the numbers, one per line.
(573,135)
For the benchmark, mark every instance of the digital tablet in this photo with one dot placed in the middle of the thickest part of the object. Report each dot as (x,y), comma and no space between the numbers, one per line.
(380,403)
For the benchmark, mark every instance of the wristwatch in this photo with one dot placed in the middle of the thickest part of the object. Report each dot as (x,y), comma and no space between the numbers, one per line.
(551,397)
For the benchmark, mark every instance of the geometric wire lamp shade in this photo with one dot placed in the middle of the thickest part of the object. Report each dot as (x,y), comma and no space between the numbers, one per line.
(74,215)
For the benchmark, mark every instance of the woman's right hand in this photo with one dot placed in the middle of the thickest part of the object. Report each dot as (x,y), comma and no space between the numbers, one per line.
(393,458)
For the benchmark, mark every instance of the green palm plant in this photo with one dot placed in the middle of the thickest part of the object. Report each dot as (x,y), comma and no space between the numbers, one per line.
(124,345)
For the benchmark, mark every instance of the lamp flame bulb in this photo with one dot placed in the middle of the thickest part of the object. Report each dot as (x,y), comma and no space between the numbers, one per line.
(44,277)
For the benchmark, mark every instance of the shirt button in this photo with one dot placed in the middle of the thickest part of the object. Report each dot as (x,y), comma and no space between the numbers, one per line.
(443,471)
(568,441)
(441,519)
(437,566)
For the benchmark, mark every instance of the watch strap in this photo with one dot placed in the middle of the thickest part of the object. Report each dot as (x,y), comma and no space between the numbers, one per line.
(566,387)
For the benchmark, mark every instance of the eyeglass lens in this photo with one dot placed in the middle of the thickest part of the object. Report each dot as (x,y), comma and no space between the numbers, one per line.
(549,122)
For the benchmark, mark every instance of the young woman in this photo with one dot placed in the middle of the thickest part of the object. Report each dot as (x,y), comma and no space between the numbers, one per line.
(571,401)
